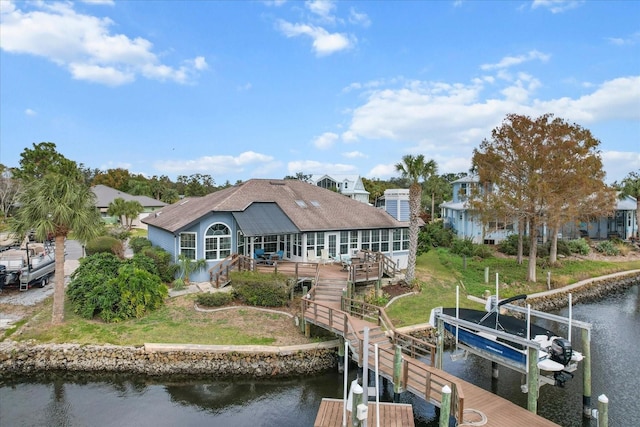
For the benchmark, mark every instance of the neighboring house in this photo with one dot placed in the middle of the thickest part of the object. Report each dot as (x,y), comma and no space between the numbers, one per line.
(347,185)
(293,216)
(621,224)
(396,203)
(457,215)
(105,195)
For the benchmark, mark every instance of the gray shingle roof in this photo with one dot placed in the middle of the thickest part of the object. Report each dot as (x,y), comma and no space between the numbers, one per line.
(105,195)
(309,207)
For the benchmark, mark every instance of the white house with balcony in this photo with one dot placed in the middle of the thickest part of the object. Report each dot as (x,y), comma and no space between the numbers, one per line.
(347,185)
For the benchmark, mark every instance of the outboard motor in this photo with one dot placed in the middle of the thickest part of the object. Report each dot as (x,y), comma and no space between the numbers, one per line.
(561,351)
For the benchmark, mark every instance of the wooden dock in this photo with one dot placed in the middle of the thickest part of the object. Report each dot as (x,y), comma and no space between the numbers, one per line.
(421,379)
(391,414)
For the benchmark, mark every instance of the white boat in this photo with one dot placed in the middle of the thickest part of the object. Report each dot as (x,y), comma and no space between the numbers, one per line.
(30,264)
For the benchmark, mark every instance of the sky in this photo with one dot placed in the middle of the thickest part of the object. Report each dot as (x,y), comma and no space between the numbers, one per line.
(265,89)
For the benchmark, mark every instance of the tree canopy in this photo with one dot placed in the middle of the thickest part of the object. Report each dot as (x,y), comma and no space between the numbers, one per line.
(541,171)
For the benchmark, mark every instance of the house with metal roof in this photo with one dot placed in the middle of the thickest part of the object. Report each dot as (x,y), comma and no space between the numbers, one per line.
(292,216)
(105,195)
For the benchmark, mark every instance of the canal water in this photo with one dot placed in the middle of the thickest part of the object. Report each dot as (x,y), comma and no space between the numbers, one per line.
(116,400)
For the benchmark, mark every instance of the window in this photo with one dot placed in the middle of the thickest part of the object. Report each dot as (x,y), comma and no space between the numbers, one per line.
(217,242)
(241,244)
(400,239)
(315,242)
(188,245)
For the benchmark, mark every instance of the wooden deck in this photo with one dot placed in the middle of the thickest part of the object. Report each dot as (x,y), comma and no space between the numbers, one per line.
(419,378)
(391,414)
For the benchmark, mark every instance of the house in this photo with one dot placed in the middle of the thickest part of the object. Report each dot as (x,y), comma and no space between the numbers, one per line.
(347,185)
(622,223)
(292,216)
(457,215)
(105,195)
(396,203)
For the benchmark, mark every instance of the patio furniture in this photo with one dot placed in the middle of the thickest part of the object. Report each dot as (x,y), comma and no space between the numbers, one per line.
(312,256)
(345,260)
(274,257)
(325,257)
(259,256)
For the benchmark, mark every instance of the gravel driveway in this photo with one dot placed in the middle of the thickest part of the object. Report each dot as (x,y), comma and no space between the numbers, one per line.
(14,303)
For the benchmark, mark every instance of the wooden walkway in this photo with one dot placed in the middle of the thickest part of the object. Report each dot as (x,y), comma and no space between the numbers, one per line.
(417,377)
(391,414)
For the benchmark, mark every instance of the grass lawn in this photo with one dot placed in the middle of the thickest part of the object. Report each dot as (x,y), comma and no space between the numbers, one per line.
(178,322)
(439,272)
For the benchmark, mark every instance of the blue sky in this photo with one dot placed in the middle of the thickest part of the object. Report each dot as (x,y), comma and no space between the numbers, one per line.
(264,89)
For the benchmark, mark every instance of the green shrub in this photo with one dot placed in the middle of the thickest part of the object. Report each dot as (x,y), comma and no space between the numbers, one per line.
(434,235)
(105,244)
(462,247)
(166,268)
(261,289)
(131,294)
(145,263)
(215,299)
(483,251)
(608,248)
(137,244)
(509,246)
(106,286)
(579,246)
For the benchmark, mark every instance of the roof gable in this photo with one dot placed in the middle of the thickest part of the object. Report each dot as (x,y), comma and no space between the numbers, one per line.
(308,206)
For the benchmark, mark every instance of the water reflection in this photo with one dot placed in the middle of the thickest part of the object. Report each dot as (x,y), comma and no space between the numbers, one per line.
(54,399)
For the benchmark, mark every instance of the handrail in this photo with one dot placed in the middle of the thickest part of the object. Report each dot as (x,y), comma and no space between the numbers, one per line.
(427,381)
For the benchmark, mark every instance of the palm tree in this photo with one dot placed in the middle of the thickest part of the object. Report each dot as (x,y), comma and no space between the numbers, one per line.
(55,205)
(415,168)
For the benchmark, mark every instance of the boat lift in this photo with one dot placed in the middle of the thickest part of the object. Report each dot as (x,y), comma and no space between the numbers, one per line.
(531,349)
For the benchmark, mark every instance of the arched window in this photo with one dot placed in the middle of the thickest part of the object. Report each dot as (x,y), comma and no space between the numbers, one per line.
(217,242)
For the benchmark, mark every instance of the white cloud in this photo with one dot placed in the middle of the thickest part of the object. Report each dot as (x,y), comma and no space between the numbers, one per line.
(85,45)
(557,6)
(30,112)
(215,164)
(326,140)
(354,154)
(510,61)
(618,164)
(313,166)
(100,2)
(359,18)
(324,43)
(382,171)
(628,41)
(435,118)
(322,8)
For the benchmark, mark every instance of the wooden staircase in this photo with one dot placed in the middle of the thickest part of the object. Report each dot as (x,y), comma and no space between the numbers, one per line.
(329,291)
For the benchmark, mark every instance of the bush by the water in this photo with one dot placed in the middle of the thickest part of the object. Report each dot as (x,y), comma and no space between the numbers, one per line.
(114,290)
(579,246)
(608,248)
(261,289)
(105,244)
(215,299)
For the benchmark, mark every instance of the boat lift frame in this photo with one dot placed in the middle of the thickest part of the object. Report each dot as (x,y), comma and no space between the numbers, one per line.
(530,369)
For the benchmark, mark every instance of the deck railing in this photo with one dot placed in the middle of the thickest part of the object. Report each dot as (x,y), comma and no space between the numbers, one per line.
(416,376)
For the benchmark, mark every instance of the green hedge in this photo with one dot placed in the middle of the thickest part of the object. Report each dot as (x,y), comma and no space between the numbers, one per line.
(215,299)
(261,289)
(105,244)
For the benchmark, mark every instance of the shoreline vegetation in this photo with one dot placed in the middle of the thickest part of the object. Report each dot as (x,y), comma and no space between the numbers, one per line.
(179,322)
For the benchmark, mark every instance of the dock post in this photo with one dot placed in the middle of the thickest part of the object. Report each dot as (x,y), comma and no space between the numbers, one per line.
(341,357)
(356,390)
(440,343)
(445,406)
(586,373)
(494,370)
(486,275)
(603,411)
(397,374)
(532,380)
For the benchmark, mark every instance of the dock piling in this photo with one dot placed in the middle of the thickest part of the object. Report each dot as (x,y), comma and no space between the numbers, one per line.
(532,380)
(586,373)
(445,407)
(603,411)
